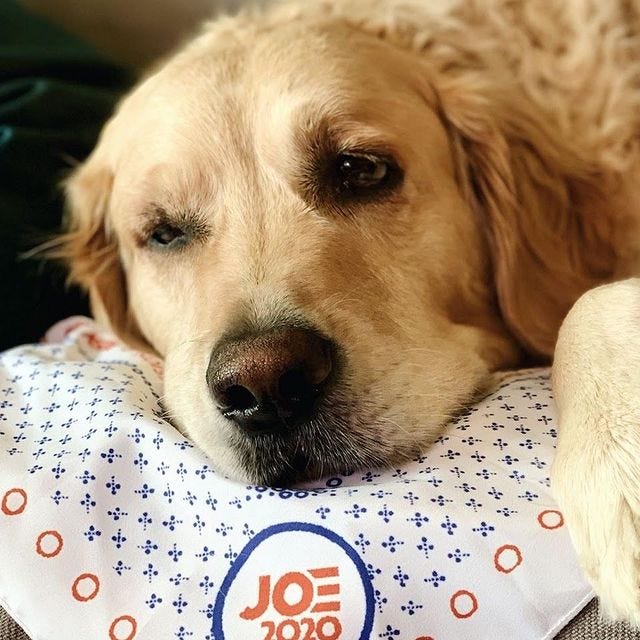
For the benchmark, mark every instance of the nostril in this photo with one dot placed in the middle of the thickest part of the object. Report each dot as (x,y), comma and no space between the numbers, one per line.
(319,365)
(238,398)
(295,387)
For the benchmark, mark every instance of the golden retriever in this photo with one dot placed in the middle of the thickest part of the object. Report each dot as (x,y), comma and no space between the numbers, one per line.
(334,219)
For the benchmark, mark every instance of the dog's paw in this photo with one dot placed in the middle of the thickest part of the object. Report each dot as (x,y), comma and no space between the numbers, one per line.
(599,498)
(596,472)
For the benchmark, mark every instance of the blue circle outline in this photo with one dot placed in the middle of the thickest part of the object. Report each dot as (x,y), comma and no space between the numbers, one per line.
(243,556)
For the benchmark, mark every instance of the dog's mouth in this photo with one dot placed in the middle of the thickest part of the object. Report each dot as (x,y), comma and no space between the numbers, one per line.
(337,440)
(342,436)
(309,455)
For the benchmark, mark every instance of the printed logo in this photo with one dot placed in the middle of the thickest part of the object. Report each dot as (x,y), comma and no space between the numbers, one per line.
(295,581)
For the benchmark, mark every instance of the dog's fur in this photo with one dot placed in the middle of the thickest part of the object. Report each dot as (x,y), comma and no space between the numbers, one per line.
(515,123)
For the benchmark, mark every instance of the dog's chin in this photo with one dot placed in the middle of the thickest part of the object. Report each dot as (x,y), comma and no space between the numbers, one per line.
(340,438)
(283,462)
(309,455)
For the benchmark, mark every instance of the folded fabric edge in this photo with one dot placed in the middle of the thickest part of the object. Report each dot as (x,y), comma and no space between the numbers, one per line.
(568,617)
(18,618)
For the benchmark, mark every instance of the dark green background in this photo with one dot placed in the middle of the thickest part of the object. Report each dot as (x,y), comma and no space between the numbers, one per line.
(55,94)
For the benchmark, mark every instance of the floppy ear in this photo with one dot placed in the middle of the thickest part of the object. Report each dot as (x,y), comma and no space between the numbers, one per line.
(91,251)
(538,201)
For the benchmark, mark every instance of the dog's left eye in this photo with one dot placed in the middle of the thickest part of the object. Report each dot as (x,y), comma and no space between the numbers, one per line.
(166,235)
(363,173)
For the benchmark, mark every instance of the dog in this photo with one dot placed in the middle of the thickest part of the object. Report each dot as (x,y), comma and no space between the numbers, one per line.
(335,219)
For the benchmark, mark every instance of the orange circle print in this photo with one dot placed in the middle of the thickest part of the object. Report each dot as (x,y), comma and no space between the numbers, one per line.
(9,507)
(49,544)
(463,604)
(123,628)
(88,584)
(550,519)
(507,558)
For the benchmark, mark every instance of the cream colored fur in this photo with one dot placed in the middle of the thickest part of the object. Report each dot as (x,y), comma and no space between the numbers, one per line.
(596,473)
(516,124)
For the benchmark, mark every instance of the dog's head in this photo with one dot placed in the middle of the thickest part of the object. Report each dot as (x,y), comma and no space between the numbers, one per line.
(330,238)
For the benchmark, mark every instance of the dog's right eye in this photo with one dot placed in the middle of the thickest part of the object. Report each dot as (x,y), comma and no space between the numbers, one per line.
(166,235)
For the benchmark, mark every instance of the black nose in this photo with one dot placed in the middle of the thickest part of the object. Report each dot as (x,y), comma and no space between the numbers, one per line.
(270,382)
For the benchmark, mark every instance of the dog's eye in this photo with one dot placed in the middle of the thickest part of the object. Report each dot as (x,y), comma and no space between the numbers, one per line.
(363,173)
(166,235)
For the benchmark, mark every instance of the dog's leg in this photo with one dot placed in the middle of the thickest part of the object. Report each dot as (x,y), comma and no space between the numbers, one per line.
(596,472)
